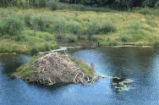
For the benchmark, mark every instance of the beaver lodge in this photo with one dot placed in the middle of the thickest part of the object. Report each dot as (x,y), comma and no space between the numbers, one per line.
(56,68)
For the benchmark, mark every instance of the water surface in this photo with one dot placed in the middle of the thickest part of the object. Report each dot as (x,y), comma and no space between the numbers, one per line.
(138,64)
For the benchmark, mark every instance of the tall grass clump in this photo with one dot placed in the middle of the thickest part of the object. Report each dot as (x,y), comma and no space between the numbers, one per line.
(124,38)
(93,26)
(36,22)
(144,11)
(28,19)
(73,27)
(11,25)
(134,25)
(38,41)
(96,26)
(155,42)
(39,23)
(59,26)
(70,37)
(107,27)
(157,4)
(27,69)
(52,4)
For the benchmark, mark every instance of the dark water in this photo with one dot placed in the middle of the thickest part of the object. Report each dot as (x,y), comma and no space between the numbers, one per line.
(138,64)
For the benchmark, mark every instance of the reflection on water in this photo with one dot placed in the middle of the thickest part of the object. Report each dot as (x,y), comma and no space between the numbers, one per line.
(10,62)
(138,64)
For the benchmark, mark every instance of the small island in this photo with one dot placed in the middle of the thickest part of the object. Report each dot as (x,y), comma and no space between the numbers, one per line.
(54,69)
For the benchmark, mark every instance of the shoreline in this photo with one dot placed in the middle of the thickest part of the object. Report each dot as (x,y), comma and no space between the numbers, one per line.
(62,48)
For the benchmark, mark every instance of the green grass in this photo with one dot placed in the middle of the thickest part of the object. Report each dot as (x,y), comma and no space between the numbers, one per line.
(9,45)
(83,66)
(41,27)
(28,69)
(29,41)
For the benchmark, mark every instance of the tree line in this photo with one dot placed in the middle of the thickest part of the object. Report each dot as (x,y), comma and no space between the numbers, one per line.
(110,3)
(117,3)
(23,3)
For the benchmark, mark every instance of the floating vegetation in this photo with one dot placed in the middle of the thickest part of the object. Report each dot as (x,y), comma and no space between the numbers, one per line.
(121,84)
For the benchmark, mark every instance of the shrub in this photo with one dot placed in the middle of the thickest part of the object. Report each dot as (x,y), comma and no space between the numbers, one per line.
(45,36)
(84,37)
(113,43)
(124,39)
(107,27)
(38,41)
(93,26)
(34,50)
(27,19)
(70,38)
(157,4)
(98,37)
(156,43)
(39,23)
(73,27)
(60,26)
(152,23)
(11,25)
(36,22)
(40,3)
(143,11)
(52,4)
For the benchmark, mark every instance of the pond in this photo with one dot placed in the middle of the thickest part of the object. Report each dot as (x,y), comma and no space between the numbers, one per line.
(138,64)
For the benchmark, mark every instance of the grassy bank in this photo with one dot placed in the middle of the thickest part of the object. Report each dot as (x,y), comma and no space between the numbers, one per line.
(28,42)
(33,30)
(26,70)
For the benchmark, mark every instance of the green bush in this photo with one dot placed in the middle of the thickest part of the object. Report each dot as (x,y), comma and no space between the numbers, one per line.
(73,27)
(34,50)
(36,22)
(52,4)
(152,23)
(39,23)
(157,4)
(93,26)
(143,11)
(124,38)
(11,25)
(97,38)
(27,19)
(156,43)
(59,26)
(107,27)
(70,37)
(38,41)
(83,37)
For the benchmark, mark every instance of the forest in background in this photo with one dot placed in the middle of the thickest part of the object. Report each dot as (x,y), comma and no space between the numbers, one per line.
(122,4)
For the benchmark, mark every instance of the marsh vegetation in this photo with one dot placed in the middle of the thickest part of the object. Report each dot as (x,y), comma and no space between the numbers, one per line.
(29,27)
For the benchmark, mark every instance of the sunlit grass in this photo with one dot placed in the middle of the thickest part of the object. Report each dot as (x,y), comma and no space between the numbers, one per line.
(28,69)
(132,27)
